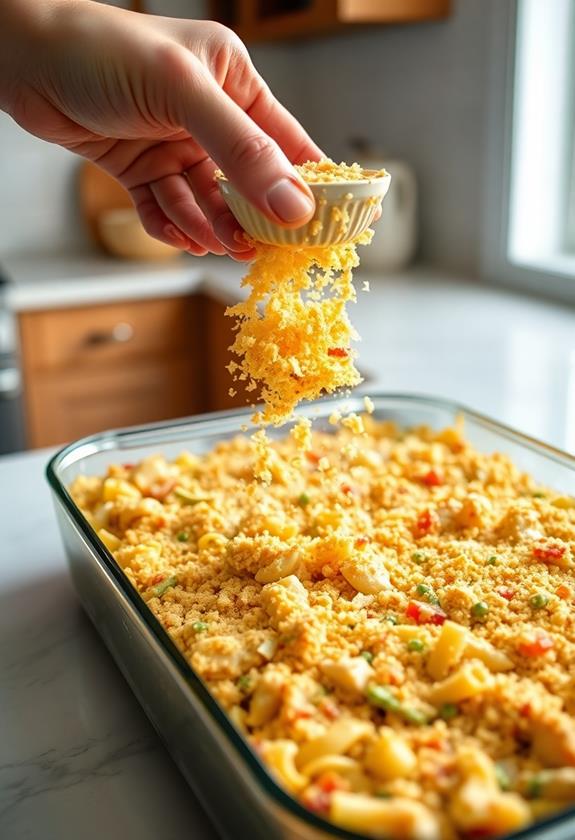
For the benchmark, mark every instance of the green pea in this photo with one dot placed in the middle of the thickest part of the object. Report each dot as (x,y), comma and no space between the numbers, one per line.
(367,655)
(183,536)
(480,609)
(502,776)
(535,786)
(427,592)
(416,645)
(538,601)
(448,711)
(199,626)
(244,682)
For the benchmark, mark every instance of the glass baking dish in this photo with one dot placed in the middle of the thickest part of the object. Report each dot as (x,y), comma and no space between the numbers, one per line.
(239,794)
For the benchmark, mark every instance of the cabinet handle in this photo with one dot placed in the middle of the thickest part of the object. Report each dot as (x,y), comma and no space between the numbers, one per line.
(119,334)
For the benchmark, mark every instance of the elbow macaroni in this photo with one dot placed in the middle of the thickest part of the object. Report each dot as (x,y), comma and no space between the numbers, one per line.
(447,650)
(470,679)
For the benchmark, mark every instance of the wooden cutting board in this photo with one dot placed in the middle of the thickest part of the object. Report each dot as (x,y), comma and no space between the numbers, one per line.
(99,192)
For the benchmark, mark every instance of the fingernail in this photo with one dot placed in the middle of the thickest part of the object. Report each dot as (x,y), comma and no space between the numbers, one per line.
(227,231)
(178,239)
(288,200)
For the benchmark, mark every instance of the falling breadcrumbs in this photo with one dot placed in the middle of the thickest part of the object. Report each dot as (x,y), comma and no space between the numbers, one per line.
(294,337)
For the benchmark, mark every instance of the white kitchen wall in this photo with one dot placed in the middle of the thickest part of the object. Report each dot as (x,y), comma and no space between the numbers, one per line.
(420,91)
(38,207)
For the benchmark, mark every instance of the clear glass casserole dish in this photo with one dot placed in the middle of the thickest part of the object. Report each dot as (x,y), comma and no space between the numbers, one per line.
(238,792)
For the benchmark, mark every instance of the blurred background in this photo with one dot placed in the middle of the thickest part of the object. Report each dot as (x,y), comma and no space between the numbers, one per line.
(468,103)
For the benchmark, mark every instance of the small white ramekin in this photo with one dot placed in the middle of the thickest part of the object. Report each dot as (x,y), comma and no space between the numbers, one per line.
(344,210)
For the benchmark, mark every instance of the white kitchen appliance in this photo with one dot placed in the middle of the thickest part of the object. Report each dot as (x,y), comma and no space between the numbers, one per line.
(395,240)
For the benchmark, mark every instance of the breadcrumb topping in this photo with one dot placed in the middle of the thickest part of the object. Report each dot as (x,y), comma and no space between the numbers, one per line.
(394,634)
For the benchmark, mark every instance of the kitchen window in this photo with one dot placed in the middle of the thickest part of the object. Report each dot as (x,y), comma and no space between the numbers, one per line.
(530,241)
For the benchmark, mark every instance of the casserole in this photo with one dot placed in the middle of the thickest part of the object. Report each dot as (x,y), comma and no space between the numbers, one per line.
(197,732)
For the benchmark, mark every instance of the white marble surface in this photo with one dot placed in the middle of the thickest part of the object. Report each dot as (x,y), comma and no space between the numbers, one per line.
(78,760)
(52,281)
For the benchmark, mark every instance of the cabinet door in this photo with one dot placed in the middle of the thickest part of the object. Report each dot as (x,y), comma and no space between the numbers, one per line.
(218,335)
(67,406)
(100,367)
(266,20)
(106,335)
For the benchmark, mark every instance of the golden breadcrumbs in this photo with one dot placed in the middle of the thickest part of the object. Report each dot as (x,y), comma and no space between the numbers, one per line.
(395,634)
(327,172)
(293,334)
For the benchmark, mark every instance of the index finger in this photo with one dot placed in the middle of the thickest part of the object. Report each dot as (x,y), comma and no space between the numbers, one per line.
(282,126)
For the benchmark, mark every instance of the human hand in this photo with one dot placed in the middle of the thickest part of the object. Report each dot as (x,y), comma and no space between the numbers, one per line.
(158,103)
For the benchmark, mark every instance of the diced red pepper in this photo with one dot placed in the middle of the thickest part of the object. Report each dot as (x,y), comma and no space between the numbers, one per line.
(506,593)
(338,352)
(548,553)
(436,742)
(329,708)
(330,781)
(347,489)
(156,579)
(526,710)
(563,592)
(313,457)
(427,521)
(128,466)
(160,522)
(432,479)
(300,713)
(361,542)
(425,613)
(535,647)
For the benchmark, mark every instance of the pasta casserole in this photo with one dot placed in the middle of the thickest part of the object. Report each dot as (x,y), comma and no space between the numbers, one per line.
(389,621)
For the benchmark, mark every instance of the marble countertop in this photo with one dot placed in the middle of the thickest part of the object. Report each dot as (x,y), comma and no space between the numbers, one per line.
(53,281)
(78,757)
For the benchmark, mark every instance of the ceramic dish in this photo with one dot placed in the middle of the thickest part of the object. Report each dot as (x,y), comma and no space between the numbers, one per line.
(344,210)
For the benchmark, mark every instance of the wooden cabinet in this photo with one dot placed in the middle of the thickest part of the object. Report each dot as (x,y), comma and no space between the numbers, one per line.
(261,20)
(92,368)
(217,336)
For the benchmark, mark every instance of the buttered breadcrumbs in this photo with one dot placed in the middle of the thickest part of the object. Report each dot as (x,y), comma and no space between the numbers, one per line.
(294,337)
(293,334)
(394,633)
(327,172)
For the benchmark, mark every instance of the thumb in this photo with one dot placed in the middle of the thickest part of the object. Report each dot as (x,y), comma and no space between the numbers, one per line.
(251,160)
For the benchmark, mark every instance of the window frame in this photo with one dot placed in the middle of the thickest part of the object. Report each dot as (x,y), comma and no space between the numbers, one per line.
(555,278)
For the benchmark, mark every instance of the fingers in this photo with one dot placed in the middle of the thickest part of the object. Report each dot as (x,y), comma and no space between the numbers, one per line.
(283,127)
(209,198)
(175,199)
(251,159)
(158,225)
